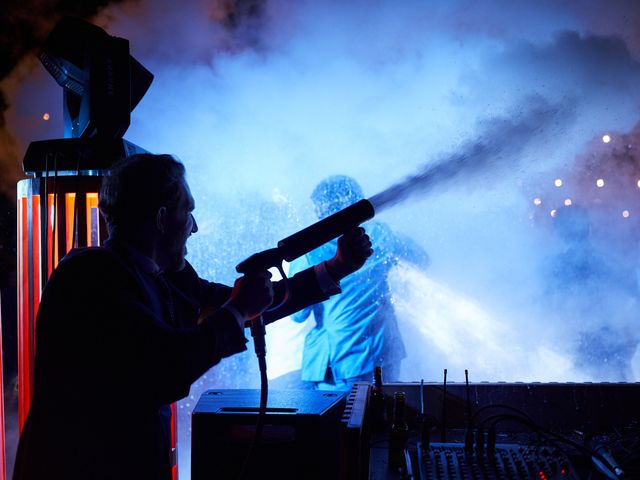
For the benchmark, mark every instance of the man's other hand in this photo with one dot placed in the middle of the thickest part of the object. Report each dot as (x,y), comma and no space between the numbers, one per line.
(354,247)
(252,294)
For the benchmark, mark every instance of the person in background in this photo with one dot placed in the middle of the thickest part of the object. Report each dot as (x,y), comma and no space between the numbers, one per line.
(597,299)
(357,330)
(123,330)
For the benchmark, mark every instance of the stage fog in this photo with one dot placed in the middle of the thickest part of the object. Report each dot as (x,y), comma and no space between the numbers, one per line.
(511,132)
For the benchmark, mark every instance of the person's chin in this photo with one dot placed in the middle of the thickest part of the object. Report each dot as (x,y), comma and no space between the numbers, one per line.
(178,264)
(181,264)
(180,259)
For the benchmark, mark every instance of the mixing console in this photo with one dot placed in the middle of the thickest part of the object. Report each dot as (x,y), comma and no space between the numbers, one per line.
(509,462)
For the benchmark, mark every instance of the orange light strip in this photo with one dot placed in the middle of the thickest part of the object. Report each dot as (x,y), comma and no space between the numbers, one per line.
(52,243)
(56,231)
(36,275)
(24,393)
(174,440)
(3,459)
(37,252)
(93,220)
(70,204)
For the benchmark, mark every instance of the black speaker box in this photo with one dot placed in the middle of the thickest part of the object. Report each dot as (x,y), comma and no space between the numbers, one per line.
(300,438)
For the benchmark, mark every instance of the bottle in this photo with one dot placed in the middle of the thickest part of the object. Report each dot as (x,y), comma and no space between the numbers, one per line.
(398,434)
(376,399)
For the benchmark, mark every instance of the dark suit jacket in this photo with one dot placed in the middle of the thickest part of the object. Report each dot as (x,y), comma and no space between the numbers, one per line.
(109,359)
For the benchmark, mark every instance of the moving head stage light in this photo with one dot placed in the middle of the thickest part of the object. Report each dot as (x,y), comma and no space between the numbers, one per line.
(101,82)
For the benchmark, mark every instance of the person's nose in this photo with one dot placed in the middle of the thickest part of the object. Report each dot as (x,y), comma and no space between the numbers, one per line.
(194,227)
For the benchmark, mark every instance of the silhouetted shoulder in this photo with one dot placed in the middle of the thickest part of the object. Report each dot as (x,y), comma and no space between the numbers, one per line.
(91,267)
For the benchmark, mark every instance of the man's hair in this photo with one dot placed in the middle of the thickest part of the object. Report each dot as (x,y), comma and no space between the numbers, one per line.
(137,187)
(335,193)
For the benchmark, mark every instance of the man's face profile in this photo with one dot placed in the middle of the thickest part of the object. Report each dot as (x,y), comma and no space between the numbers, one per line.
(179,226)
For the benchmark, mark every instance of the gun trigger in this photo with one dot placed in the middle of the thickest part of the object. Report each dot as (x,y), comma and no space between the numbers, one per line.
(281,270)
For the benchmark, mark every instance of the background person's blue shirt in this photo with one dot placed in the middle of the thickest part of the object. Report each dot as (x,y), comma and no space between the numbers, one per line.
(358,329)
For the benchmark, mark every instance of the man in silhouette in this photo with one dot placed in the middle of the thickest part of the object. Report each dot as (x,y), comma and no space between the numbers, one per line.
(123,330)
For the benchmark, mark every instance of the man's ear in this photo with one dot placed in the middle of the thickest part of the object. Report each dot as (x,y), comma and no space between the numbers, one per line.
(161,219)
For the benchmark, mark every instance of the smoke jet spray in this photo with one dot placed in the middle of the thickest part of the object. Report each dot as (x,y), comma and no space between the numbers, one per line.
(501,144)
